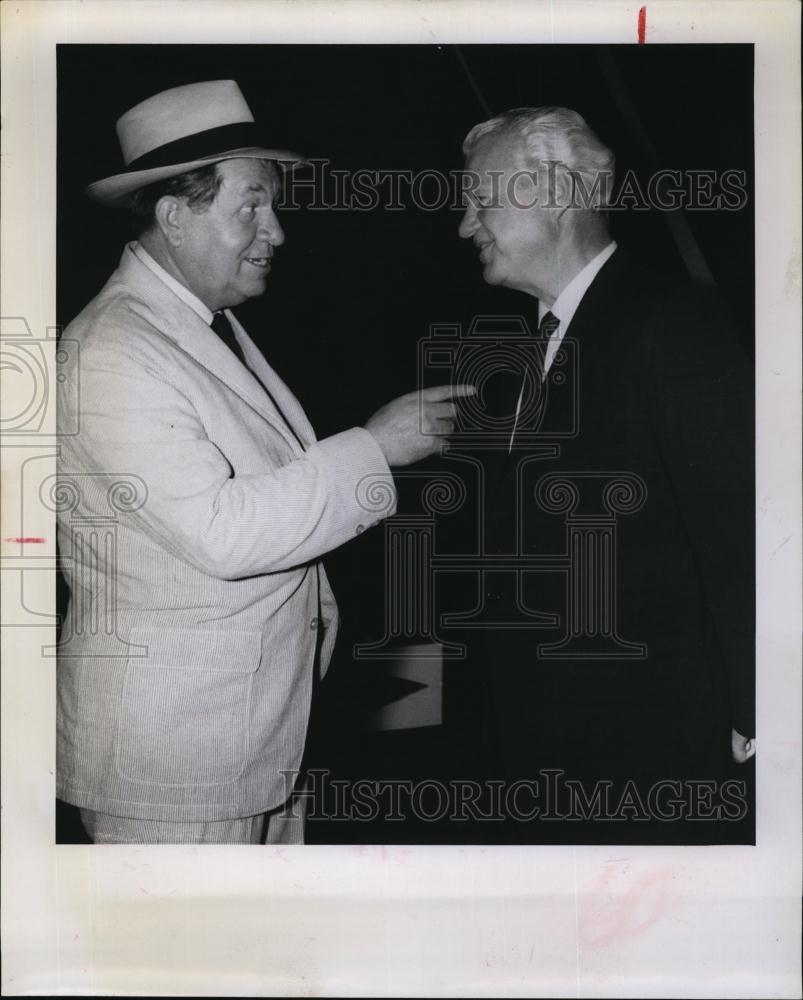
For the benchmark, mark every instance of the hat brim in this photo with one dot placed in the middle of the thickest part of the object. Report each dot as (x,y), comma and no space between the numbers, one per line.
(118,189)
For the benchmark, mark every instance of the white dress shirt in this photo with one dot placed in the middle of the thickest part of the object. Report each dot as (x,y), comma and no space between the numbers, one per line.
(182,291)
(565,305)
(563,309)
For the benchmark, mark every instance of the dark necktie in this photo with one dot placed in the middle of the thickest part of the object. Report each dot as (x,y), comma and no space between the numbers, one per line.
(223,328)
(549,323)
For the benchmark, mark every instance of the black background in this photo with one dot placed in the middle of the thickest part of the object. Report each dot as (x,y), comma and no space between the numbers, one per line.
(351,293)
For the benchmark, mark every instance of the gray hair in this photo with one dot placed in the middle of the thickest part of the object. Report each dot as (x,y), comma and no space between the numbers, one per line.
(556,135)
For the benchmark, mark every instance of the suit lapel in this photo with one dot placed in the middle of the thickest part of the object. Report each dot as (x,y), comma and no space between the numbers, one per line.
(181,324)
(288,404)
(602,295)
(587,328)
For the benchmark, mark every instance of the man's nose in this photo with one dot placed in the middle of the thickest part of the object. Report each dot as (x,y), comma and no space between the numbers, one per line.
(468,224)
(271,229)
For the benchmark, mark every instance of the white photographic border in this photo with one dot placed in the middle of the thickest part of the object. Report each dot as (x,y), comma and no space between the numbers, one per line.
(557,921)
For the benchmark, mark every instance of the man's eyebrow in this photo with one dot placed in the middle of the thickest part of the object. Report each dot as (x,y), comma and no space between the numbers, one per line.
(258,188)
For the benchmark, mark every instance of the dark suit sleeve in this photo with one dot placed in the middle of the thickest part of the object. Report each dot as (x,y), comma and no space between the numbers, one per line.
(702,409)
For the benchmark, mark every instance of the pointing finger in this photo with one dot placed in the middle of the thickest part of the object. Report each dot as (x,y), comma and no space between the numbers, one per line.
(437,393)
(446,410)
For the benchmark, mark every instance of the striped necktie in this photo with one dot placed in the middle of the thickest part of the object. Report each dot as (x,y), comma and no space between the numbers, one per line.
(549,323)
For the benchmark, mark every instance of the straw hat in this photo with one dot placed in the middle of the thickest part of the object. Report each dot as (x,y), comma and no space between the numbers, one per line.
(182,129)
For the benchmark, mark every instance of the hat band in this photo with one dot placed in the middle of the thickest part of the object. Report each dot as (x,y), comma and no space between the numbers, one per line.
(199,145)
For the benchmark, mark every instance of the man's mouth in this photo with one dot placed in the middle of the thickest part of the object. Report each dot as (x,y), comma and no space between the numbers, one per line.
(263,263)
(485,251)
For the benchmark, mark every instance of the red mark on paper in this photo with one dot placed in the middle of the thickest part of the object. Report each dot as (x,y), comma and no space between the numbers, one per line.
(620,906)
(642,25)
(28,540)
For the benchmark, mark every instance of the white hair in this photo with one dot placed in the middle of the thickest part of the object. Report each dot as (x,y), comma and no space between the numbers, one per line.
(556,135)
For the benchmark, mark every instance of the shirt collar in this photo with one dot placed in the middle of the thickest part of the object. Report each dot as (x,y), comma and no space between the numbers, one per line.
(180,290)
(565,305)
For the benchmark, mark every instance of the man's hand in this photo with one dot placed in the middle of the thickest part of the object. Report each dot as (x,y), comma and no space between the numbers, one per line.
(742,749)
(414,426)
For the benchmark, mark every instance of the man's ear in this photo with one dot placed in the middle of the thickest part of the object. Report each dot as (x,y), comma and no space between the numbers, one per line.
(169,213)
(564,191)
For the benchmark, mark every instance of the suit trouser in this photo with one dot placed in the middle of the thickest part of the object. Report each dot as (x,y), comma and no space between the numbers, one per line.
(279,826)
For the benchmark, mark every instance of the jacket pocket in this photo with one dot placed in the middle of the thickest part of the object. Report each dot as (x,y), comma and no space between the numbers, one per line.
(185,706)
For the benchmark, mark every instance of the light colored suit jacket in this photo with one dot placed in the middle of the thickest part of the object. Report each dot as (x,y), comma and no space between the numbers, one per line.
(188,654)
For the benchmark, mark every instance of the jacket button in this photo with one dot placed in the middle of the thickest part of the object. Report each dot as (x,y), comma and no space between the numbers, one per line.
(314,623)
(360,528)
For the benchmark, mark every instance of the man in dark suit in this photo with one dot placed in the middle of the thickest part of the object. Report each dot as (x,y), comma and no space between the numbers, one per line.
(631,454)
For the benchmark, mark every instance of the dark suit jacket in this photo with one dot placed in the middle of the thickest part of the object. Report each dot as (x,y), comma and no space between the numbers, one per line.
(662,392)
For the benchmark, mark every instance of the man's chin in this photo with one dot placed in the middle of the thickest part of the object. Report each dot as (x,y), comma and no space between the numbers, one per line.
(255,285)
(491,275)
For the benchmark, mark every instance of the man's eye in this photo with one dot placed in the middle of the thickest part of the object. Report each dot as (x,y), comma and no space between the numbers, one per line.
(250,209)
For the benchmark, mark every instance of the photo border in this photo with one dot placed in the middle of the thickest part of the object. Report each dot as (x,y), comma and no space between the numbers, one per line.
(421,921)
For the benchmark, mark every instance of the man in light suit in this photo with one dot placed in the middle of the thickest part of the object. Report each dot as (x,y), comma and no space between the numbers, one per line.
(219,597)
(663,687)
